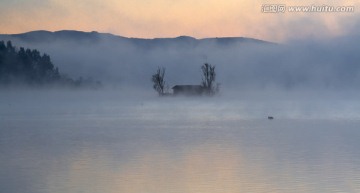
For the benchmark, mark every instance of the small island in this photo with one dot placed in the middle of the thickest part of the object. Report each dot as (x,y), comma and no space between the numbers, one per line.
(208,87)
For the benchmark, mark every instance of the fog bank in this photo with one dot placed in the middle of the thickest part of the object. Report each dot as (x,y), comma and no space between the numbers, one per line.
(123,63)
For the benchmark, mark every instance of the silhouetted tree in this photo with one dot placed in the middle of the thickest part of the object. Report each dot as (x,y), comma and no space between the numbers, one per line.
(208,79)
(159,81)
(26,66)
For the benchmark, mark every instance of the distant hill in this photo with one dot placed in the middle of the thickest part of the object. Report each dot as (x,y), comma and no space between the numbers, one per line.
(240,62)
(127,61)
(94,37)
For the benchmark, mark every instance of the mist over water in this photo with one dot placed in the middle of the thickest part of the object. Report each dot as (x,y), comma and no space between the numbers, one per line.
(130,141)
(124,138)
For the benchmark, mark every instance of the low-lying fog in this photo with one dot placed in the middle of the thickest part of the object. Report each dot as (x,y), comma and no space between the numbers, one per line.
(124,138)
(301,64)
(225,106)
(95,141)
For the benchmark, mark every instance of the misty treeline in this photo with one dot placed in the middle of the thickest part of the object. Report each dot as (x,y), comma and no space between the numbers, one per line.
(241,64)
(28,67)
(208,86)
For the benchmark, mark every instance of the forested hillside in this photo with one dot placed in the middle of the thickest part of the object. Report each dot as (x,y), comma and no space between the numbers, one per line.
(31,68)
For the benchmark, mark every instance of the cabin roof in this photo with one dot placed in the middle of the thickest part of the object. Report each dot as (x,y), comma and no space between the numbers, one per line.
(187,87)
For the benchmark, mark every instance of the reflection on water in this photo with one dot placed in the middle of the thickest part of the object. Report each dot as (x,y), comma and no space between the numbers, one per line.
(136,146)
(206,168)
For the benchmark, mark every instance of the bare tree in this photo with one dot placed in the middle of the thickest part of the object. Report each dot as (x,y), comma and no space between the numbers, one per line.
(208,79)
(159,81)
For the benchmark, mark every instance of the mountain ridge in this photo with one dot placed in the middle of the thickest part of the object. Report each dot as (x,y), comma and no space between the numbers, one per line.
(41,36)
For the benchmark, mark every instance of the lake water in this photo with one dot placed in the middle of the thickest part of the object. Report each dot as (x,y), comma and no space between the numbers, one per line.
(95,142)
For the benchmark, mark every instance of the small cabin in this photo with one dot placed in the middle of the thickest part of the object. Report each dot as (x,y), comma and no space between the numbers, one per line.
(188,90)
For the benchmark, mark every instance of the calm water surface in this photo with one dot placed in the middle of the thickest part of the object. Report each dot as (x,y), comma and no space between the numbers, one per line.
(108,143)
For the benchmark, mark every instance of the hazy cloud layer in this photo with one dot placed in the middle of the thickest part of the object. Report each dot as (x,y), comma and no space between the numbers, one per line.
(298,64)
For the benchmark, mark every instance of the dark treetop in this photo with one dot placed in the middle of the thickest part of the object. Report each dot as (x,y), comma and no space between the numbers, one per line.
(29,67)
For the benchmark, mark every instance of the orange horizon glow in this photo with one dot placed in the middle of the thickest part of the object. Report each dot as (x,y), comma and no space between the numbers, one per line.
(161,18)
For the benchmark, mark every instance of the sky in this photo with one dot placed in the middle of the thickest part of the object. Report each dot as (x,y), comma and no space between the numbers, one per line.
(172,18)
